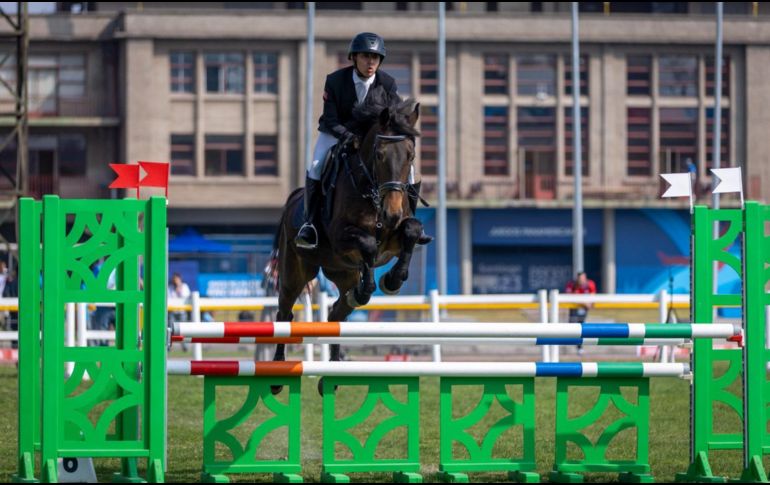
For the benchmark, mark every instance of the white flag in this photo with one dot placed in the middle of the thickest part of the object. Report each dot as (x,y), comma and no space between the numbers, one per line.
(730,180)
(681,184)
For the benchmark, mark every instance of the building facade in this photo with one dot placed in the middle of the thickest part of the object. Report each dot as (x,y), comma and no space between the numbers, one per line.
(219,92)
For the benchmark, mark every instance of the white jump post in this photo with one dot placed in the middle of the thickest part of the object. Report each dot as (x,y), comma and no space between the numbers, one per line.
(666,351)
(82,324)
(542,298)
(435,317)
(307,312)
(69,335)
(323,315)
(195,299)
(553,300)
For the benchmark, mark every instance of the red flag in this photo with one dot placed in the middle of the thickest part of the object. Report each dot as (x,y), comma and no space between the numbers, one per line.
(157,175)
(128,176)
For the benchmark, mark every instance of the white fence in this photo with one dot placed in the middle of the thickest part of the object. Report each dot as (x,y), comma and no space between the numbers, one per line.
(547,304)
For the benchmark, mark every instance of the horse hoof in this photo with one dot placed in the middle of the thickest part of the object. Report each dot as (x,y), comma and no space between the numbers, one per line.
(276,390)
(352,300)
(321,387)
(385,288)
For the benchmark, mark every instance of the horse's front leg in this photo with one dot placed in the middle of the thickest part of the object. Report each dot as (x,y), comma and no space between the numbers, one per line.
(409,231)
(365,244)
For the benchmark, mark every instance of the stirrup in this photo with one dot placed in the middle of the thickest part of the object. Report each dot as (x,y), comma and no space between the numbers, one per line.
(301,242)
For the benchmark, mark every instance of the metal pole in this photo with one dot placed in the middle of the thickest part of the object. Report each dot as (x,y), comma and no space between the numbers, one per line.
(577,166)
(441,215)
(309,84)
(717,144)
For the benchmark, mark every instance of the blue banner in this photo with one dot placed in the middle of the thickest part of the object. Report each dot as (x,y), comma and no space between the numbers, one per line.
(533,227)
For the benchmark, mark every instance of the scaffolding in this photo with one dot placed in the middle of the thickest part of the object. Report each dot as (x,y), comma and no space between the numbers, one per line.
(14,29)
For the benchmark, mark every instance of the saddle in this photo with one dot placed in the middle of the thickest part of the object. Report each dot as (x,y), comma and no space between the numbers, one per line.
(332,166)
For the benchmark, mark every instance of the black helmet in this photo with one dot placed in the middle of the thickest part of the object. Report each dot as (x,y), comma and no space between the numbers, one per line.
(367,42)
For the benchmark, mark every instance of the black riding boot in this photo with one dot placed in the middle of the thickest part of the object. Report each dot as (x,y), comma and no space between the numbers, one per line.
(307,238)
(414,197)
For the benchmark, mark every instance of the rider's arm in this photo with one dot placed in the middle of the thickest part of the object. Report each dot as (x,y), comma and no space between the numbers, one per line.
(329,118)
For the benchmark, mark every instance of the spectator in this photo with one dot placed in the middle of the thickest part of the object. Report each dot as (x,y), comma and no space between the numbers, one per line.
(581,284)
(178,289)
(11,290)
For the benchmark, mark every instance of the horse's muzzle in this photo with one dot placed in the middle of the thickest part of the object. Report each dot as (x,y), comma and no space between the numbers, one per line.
(392,208)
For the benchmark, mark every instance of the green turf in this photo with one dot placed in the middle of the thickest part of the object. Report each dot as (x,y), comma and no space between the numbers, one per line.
(668,448)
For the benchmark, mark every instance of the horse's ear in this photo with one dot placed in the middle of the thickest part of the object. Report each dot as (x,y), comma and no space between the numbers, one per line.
(384,117)
(415,115)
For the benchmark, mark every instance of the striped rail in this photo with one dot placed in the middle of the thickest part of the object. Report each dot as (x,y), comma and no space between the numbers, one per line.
(454,330)
(423,369)
(429,341)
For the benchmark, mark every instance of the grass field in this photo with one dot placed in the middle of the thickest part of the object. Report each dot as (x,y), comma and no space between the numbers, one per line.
(669,436)
(669,433)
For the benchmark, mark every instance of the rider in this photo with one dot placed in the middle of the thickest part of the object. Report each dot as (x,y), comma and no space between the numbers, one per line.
(344,88)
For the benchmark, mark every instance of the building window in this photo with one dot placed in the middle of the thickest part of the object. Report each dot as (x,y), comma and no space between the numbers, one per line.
(72,76)
(711,78)
(638,142)
(428,73)
(224,73)
(51,78)
(678,75)
(724,152)
(224,155)
(638,75)
(182,72)
(568,137)
(536,127)
(265,72)
(43,99)
(678,139)
(72,155)
(265,155)
(429,140)
(339,6)
(182,155)
(399,65)
(8,73)
(496,141)
(49,155)
(496,74)
(536,75)
(583,75)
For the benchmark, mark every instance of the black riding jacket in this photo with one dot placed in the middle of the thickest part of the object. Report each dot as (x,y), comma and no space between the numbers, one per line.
(340,97)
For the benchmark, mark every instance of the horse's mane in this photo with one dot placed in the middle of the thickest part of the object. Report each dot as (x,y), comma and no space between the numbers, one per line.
(366,114)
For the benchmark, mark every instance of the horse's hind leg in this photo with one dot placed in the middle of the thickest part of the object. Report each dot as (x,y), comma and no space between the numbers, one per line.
(391,282)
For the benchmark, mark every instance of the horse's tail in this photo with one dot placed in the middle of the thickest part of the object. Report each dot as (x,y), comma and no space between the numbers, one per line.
(271,276)
(270,273)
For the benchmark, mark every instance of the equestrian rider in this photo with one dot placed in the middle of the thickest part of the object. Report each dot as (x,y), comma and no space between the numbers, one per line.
(344,88)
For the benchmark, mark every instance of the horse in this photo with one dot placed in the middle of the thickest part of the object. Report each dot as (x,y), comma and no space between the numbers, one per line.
(371,221)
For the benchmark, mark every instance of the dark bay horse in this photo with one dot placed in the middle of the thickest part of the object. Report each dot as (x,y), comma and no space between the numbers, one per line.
(371,219)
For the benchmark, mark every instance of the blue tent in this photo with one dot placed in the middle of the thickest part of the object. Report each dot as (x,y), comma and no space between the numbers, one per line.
(190,241)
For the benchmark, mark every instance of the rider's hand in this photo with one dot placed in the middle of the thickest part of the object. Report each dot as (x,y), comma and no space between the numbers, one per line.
(350,139)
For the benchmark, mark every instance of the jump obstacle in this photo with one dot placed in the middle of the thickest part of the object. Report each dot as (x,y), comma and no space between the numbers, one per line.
(131,376)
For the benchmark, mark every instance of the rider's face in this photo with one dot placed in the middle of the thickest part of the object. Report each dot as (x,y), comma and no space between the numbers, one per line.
(366,63)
